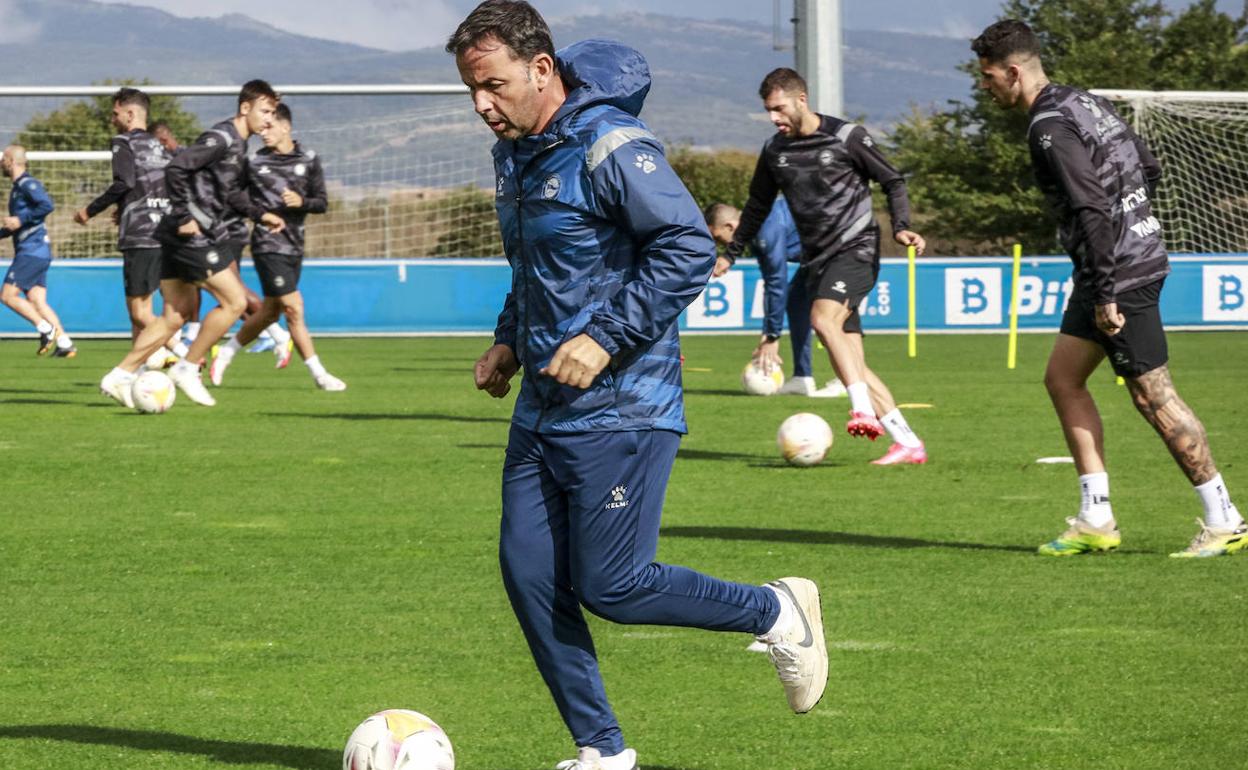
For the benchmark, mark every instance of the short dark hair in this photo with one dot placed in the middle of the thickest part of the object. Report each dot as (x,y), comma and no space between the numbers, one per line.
(159,124)
(717,213)
(283,113)
(127,96)
(256,89)
(783,78)
(1006,38)
(514,23)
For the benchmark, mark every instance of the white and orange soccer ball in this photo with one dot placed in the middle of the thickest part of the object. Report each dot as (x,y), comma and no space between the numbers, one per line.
(804,439)
(758,380)
(398,739)
(153,392)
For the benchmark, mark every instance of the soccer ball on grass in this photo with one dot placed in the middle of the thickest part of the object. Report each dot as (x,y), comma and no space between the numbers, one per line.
(398,739)
(153,392)
(758,380)
(804,439)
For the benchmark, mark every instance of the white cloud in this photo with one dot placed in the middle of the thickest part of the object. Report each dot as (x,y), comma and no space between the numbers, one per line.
(393,25)
(14,28)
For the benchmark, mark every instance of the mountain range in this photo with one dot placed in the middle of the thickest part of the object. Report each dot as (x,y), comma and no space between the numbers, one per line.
(706,73)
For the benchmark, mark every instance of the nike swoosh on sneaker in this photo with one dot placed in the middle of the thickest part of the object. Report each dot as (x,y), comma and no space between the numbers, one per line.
(810,638)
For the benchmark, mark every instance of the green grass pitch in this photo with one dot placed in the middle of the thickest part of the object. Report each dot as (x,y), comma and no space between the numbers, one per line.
(237,587)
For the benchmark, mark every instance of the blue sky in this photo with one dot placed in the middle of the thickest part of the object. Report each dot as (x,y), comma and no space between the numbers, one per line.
(406,24)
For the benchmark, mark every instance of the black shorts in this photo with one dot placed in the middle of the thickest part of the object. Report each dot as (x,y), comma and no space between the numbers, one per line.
(196,264)
(140,271)
(279,273)
(846,278)
(1140,346)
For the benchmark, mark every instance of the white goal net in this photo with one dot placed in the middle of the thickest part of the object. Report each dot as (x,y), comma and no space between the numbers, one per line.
(1201,139)
(408,175)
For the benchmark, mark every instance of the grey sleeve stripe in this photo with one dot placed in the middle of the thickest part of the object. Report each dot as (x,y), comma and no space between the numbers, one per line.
(224,135)
(858,226)
(612,141)
(199,215)
(845,131)
(1044,116)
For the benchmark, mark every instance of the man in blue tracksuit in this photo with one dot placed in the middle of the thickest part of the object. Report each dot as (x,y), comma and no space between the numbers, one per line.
(607,248)
(776,245)
(29,205)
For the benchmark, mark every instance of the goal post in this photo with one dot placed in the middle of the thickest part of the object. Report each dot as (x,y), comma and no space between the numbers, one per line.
(407,167)
(1201,140)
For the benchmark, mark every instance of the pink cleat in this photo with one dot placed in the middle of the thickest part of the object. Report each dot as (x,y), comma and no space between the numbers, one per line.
(903,455)
(864,426)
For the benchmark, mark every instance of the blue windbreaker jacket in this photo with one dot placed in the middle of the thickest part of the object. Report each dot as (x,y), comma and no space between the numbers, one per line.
(603,239)
(31,204)
(776,245)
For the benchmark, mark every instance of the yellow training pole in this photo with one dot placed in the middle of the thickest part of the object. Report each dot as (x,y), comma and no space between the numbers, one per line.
(914,338)
(1012,358)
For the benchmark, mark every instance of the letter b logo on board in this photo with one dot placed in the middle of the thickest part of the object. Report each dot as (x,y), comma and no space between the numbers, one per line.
(721,305)
(972,296)
(1225,290)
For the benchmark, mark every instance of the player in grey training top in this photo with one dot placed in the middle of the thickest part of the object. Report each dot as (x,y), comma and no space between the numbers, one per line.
(283,179)
(197,239)
(138,190)
(824,167)
(1100,179)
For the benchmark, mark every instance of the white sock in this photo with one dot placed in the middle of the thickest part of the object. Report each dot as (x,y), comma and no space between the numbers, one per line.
(184,366)
(230,348)
(900,430)
(1220,512)
(64,342)
(279,335)
(192,330)
(784,620)
(43,327)
(316,367)
(860,398)
(1094,508)
(180,350)
(121,373)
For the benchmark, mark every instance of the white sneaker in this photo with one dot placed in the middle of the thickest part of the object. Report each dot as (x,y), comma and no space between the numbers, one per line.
(186,377)
(588,758)
(833,389)
(157,360)
(282,354)
(801,656)
(216,370)
(117,388)
(328,381)
(797,386)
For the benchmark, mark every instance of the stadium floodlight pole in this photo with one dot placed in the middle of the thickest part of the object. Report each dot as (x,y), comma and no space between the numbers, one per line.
(1011,358)
(817,31)
(914,304)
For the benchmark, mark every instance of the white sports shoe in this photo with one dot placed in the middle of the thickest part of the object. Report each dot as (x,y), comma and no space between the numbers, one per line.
(159,359)
(216,370)
(282,354)
(588,758)
(797,386)
(328,381)
(833,389)
(186,377)
(117,388)
(801,656)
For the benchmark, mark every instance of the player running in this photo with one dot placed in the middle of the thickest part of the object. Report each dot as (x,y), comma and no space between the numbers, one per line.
(138,190)
(776,245)
(197,244)
(1100,177)
(29,205)
(607,248)
(284,179)
(824,166)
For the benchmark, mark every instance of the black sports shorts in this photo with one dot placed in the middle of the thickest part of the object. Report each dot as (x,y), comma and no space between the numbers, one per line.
(1140,346)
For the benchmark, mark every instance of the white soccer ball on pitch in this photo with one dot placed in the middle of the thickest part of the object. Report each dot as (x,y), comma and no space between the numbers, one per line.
(153,392)
(398,739)
(758,380)
(804,439)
